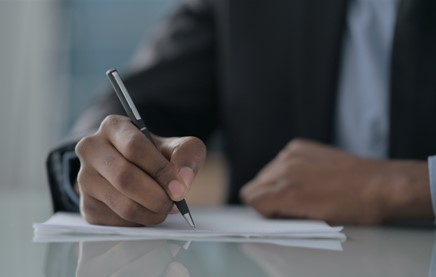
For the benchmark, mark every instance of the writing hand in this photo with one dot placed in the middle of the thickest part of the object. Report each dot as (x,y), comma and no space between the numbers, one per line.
(311,180)
(125,180)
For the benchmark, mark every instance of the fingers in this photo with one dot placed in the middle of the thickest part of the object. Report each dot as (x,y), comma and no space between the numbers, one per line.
(128,179)
(265,197)
(275,176)
(273,192)
(136,148)
(294,161)
(101,203)
(275,202)
(96,212)
(309,180)
(260,200)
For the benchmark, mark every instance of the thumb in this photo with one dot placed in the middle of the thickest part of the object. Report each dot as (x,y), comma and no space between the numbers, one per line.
(187,154)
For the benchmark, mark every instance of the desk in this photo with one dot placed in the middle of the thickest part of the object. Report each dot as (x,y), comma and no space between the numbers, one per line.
(378,251)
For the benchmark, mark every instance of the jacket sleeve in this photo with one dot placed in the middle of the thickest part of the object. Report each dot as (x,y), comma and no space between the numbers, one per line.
(173,84)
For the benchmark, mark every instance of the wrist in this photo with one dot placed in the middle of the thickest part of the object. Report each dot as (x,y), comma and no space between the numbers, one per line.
(405,192)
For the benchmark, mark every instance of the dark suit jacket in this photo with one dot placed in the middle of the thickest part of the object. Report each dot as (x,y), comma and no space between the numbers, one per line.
(264,72)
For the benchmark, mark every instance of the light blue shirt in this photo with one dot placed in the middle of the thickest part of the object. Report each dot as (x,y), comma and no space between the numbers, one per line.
(362,117)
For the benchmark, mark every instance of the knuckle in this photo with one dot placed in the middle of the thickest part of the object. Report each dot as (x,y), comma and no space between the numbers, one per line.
(201,149)
(124,179)
(110,121)
(84,145)
(295,150)
(197,144)
(296,144)
(134,146)
(295,164)
(83,178)
(188,151)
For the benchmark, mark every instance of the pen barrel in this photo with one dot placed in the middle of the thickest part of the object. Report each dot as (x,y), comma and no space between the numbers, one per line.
(147,133)
(182,206)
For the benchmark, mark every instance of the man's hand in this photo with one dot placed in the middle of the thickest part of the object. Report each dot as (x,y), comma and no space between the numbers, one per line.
(311,180)
(125,180)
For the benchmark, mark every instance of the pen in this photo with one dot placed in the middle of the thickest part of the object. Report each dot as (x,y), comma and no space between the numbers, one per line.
(136,119)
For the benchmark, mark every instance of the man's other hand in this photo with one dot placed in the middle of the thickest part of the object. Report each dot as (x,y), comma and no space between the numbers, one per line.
(315,181)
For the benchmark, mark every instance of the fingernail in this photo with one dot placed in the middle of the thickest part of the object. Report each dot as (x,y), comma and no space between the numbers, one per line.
(177,189)
(187,175)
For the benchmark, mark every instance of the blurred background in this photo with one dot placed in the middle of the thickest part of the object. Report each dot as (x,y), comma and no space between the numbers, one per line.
(53,57)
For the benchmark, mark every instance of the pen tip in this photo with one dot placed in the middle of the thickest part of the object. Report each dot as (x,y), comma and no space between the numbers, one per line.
(189,219)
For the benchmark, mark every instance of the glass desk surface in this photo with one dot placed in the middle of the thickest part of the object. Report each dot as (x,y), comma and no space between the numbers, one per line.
(368,251)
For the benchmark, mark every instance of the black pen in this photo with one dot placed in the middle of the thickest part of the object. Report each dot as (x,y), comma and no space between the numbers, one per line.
(136,119)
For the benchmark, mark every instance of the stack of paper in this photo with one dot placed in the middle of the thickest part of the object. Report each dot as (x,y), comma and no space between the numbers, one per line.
(212,223)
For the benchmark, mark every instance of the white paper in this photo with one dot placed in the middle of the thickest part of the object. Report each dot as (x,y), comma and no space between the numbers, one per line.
(213,223)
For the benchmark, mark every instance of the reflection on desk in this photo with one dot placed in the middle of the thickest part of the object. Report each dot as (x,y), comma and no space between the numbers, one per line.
(368,252)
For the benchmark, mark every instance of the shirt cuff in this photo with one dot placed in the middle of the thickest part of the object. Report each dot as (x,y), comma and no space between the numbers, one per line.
(432,177)
(71,165)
